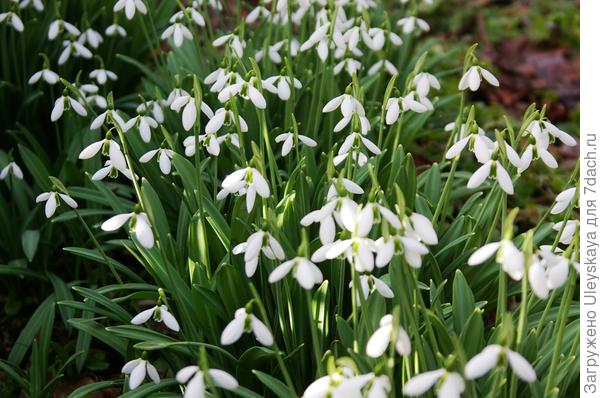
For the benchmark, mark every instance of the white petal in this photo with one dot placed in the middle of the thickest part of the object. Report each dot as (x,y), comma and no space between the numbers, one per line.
(261,331)
(233,331)
(115,222)
(483,362)
(223,379)
(483,253)
(143,316)
(422,382)
(521,366)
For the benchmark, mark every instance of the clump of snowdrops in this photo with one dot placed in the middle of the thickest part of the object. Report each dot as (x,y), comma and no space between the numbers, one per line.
(269,232)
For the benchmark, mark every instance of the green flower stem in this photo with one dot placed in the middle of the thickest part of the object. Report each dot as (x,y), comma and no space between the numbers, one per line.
(354,308)
(502,281)
(314,334)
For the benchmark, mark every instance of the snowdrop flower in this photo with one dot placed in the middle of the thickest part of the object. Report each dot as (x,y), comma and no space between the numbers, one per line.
(247,90)
(340,384)
(472,78)
(159,314)
(382,337)
(189,114)
(234,43)
(46,74)
(192,14)
(138,223)
(52,201)
(58,26)
(350,65)
(289,141)
(424,82)
(492,168)
(13,20)
(108,147)
(114,30)
(11,169)
(102,75)
(387,66)
(281,85)
(303,270)
(112,170)
(164,156)
(210,141)
(568,232)
(452,384)
(395,106)
(547,271)
(539,150)
(144,124)
(130,6)
(221,78)
(113,117)
(409,24)
(325,217)
(177,30)
(92,37)
(319,39)
(36,4)
(488,358)
(244,321)
(71,103)
(358,139)
(542,130)
(380,387)
(137,370)
(410,248)
(259,241)
(374,38)
(370,283)
(195,382)
(153,107)
(76,49)
(508,256)
(349,106)
(419,227)
(273,51)
(563,200)
(247,182)
(258,12)
(478,143)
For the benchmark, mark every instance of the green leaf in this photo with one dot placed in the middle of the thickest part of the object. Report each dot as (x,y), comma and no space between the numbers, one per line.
(30,240)
(275,385)
(463,302)
(87,390)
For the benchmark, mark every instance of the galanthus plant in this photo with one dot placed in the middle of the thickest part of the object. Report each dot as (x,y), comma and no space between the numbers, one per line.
(281,174)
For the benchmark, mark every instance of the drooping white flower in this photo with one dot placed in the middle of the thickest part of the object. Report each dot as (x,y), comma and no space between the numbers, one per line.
(488,358)
(281,85)
(350,65)
(259,241)
(563,200)
(92,37)
(58,26)
(424,82)
(257,13)
(177,30)
(477,142)
(493,169)
(568,232)
(111,170)
(543,130)
(340,384)
(154,107)
(548,271)
(508,256)
(75,48)
(223,117)
(137,370)
(67,102)
(374,38)
(452,384)
(349,107)
(13,20)
(409,24)
(164,156)
(382,338)
(195,380)
(108,147)
(189,114)
(273,51)
(354,139)
(289,142)
(248,323)
(472,78)
(46,74)
(396,105)
(130,6)
(52,201)
(303,270)
(144,123)
(245,89)
(385,64)
(369,284)
(320,40)
(36,4)
(234,43)
(11,169)
(114,30)
(138,223)
(159,314)
(379,387)
(247,181)
(103,75)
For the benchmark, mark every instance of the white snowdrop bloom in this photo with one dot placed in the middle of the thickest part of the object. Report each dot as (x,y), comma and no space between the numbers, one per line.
(247,181)
(67,102)
(319,39)
(113,118)
(137,370)
(488,358)
(247,90)
(138,223)
(11,169)
(409,24)
(354,139)
(539,150)
(214,4)
(58,26)
(103,75)
(357,157)
(350,65)
(480,144)
(349,106)
(154,107)
(108,147)
(303,270)
(195,381)
(189,114)
(325,217)
(472,78)
(90,36)
(369,284)
(115,30)
(379,387)
(273,51)
(111,170)
(97,100)
(396,105)
(209,141)
(382,337)
(248,323)
(234,43)
(374,38)
(289,142)
(46,74)
(144,124)
(568,232)
(563,200)
(130,7)
(52,201)
(547,271)
(387,66)
(159,314)
(349,186)
(410,248)
(424,82)
(221,78)
(259,12)
(342,384)
(493,169)
(13,20)
(419,227)
(36,4)
(508,256)
(543,129)
(192,14)
(259,241)
(177,30)
(74,48)
(452,384)
(281,85)
(351,37)
(164,156)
